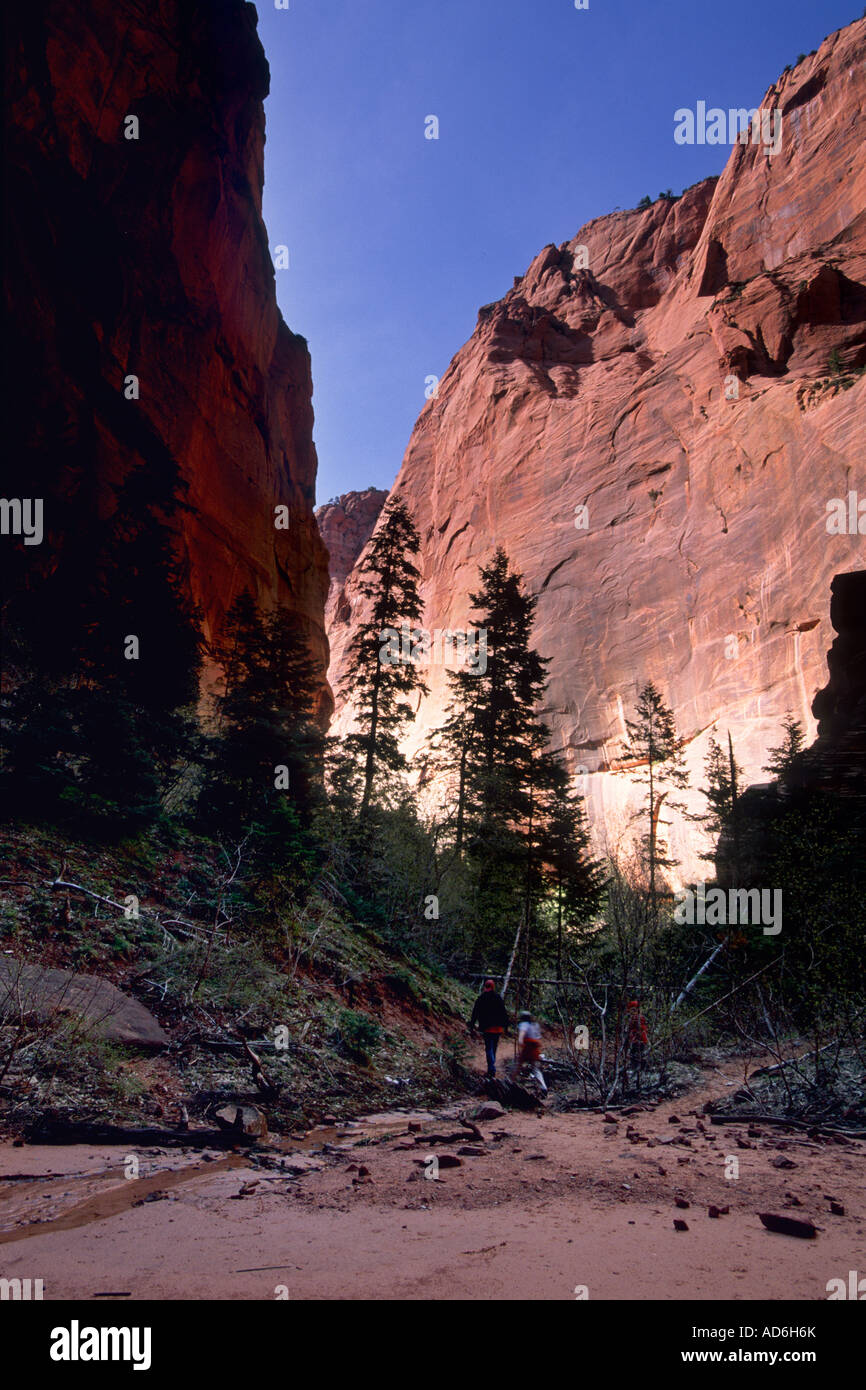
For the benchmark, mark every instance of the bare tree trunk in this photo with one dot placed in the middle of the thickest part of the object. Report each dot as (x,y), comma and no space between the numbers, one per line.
(370,761)
(734,811)
(502,992)
(693,981)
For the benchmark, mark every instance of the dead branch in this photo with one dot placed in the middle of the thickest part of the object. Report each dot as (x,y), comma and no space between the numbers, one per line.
(811,1126)
(269,1089)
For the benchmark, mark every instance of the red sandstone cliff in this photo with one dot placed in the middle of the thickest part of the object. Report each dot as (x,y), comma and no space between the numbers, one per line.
(346,524)
(706,561)
(149,256)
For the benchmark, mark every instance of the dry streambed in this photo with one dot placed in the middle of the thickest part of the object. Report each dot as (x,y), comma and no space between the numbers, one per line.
(646,1202)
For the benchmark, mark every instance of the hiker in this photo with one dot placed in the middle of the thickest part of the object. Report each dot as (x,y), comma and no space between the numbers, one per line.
(528,1048)
(637,1037)
(489,1014)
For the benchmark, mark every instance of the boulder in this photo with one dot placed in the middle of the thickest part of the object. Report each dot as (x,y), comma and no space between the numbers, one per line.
(101,1008)
(245,1119)
(490,1110)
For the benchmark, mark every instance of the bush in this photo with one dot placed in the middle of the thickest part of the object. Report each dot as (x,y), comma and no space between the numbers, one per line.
(359,1033)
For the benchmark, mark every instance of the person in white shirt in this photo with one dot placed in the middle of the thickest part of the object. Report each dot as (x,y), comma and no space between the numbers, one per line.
(528,1048)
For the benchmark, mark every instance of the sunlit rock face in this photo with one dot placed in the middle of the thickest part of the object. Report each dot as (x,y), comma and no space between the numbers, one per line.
(687,373)
(148,256)
(346,524)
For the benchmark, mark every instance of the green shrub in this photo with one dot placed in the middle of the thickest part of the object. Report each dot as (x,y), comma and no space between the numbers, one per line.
(359,1033)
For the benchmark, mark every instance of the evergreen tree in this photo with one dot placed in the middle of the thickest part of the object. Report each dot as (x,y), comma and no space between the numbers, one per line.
(98,706)
(722,790)
(656,747)
(491,732)
(782,758)
(137,713)
(493,746)
(40,742)
(575,878)
(265,763)
(378,678)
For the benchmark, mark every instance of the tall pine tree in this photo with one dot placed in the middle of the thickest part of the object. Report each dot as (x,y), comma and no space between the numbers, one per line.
(265,764)
(575,879)
(655,747)
(487,741)
(98,707)
(378,678)
(513,823)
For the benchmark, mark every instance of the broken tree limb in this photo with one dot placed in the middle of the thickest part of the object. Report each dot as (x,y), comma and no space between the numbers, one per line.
(504,988)
(195,1039)
(473,1128)
(181,928)
(51,1130)
(693,981)
(809,1125)
(791,1061)
(269,1089)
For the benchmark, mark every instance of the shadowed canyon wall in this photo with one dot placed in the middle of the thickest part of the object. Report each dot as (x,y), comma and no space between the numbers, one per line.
(137,248)
(693,380)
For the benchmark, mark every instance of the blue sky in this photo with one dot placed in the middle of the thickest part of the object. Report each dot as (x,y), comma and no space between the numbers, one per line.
(549,116)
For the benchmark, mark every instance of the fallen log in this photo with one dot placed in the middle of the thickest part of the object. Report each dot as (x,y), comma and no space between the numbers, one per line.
(790,1061)
(510,1094)
(812,1126)
(220,1045)
(59,1131)
(45,1177)
(435,1137)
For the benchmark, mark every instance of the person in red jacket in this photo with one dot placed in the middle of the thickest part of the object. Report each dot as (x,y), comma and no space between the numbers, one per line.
(489,1014)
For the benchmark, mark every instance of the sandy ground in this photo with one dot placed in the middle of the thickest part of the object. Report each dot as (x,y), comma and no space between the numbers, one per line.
(555,1203)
